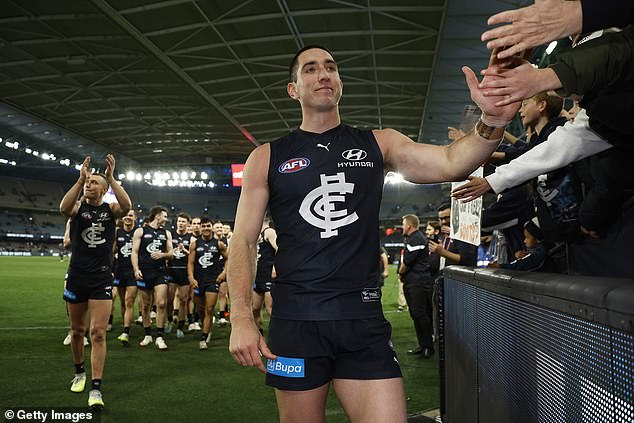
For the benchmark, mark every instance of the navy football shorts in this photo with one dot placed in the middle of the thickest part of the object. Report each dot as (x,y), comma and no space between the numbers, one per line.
(83,287)
(124,280)
(312,353)
(178,276)
(206,287)
(151,280)
(262,287)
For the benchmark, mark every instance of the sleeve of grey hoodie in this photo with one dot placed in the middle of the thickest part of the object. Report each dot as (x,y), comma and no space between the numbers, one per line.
(567,144)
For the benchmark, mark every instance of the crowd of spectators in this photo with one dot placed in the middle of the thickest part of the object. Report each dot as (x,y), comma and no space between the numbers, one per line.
(573,177)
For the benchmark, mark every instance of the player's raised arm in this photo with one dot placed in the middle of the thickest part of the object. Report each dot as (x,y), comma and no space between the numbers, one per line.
(424,163)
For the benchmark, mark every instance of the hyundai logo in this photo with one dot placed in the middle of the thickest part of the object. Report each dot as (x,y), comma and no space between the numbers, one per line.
(354,154)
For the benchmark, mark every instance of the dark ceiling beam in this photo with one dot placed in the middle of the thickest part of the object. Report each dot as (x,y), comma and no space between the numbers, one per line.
(267,60)
(431,77)
(374,66)
(152,48)
(153,6)
(290,22)
(241,63)
(384,12)
(415,69)
(37,41)
(56,17)
(276,38)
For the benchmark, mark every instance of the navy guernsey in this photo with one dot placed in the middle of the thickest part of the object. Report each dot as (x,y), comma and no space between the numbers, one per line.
(325,192)
(208,261)
(180,258)
(92,236)
(123,264)
(266,252)
(152,240)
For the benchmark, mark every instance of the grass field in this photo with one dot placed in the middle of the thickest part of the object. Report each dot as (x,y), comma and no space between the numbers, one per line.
(182,384)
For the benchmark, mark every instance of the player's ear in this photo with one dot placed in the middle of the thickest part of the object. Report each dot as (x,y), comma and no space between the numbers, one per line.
(291,89)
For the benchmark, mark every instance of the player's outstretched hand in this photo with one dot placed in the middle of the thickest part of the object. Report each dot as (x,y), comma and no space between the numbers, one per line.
(532,26)
(488,104)
(247,345)
(471,190)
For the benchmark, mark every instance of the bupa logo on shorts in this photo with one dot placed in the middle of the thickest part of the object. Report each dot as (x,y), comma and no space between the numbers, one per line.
(286,367)
(354,154)
(69,294)
(369,295)
(140,284)
(294,165)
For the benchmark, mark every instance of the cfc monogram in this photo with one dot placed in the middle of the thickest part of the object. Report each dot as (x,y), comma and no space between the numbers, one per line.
(154,246)
(318,207)
(126,249)
(205,260)
(92,235)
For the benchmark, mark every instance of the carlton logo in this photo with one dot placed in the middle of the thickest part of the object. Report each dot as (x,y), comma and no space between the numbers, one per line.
(294,165)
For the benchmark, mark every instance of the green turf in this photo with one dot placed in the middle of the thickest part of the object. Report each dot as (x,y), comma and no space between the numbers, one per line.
(181,384)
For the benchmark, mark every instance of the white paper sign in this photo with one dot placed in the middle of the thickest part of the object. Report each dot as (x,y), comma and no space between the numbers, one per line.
(466,217)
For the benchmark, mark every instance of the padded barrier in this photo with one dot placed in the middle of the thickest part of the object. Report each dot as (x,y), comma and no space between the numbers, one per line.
(535,347)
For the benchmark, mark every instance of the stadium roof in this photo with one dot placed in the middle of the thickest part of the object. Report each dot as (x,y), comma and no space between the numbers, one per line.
(195,83)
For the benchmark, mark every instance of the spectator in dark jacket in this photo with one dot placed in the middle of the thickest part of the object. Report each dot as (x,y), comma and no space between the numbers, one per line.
(417,284)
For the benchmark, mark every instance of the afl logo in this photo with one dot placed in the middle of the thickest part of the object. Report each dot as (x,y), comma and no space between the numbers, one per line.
(86,215)
(354,154)
(294,165)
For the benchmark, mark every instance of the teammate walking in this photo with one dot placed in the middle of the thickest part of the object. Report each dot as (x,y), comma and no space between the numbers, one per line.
(267,246)
(205,269)
(89,282)
(151,247)
(178,280)
(124,278)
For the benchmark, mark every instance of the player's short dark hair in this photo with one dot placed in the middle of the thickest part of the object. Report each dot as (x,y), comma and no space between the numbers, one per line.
(444,206)
(292,69)
(184,216)
(156,210)
(205,219)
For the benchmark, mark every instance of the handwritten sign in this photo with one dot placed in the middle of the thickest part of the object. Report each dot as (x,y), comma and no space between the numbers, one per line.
(466,217)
